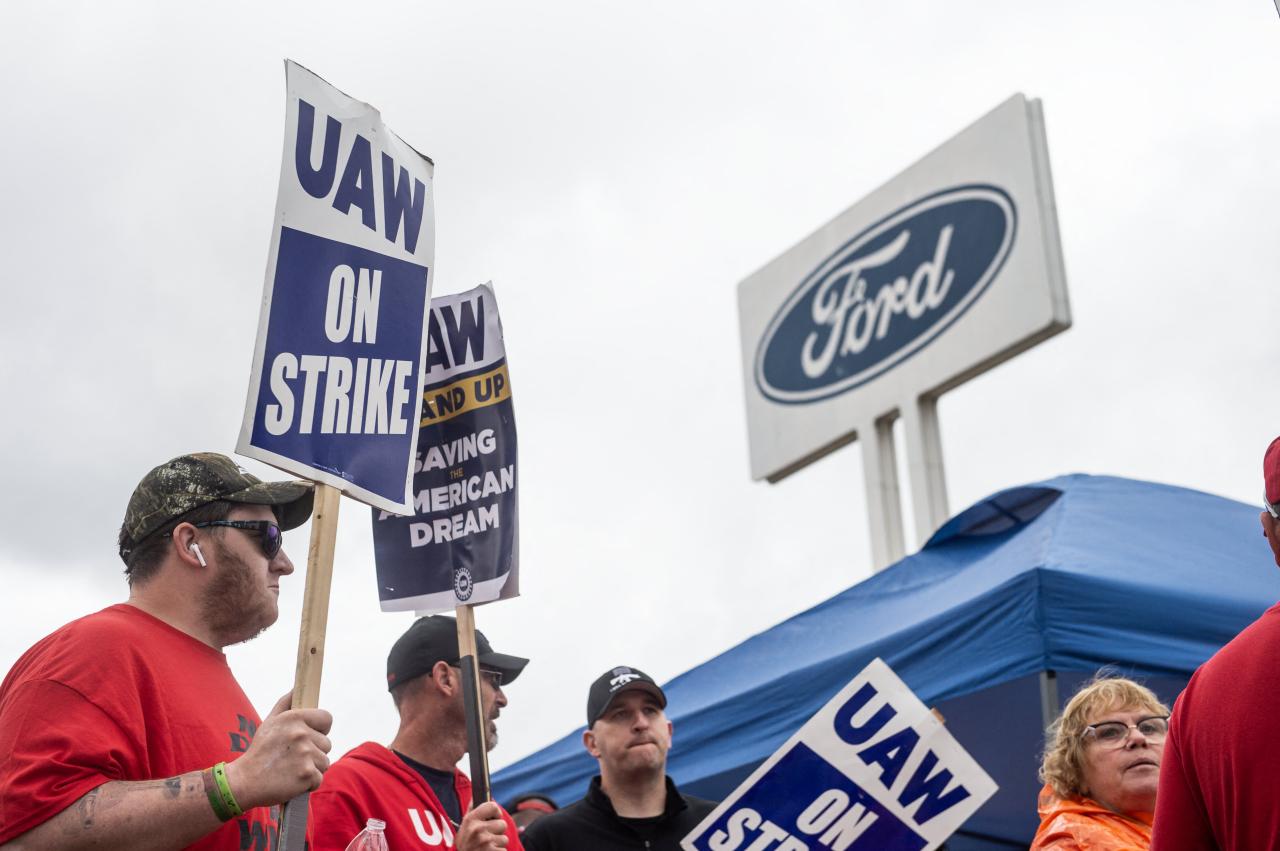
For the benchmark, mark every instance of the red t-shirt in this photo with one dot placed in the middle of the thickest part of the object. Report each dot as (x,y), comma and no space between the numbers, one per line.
(120,695)
(372,782)
(1218,774)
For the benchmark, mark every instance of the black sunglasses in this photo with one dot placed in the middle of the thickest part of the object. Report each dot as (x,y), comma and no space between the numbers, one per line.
(270,538)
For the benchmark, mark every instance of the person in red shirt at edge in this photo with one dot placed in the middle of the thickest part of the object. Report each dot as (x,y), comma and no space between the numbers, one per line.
(1217,783)
(413,784)
(126,728)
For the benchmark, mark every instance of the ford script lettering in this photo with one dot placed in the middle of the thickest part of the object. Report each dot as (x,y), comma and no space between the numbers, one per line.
(886,294)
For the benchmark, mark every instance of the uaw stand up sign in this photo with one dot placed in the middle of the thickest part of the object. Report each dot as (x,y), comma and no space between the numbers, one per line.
(874,770)
(948,269)
(461,545)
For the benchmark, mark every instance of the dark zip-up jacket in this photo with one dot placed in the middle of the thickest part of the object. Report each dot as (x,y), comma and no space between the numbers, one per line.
(591,824)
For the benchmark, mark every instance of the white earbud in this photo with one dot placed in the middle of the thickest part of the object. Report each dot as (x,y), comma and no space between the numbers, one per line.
(195,548)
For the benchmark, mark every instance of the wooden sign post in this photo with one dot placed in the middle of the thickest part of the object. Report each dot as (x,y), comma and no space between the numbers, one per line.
(477,724)
(315,622)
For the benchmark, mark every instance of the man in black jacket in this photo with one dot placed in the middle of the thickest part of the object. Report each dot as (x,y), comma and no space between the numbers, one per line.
(631,803)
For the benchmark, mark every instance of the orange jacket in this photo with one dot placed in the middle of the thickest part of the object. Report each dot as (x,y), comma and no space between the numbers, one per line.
(1082,824)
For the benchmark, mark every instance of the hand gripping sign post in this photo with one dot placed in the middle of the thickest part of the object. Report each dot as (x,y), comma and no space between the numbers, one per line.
(873,770)
(338,363)
(461,546)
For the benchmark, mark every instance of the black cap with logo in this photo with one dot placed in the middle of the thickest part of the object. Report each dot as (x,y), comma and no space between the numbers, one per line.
(614,682)
(435,639)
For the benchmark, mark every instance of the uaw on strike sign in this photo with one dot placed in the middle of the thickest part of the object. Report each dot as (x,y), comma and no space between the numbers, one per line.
(874,770)
(338,365)
(461,546)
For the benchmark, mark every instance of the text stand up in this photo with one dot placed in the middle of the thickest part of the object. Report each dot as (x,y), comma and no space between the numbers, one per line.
(477,747)
(315,621)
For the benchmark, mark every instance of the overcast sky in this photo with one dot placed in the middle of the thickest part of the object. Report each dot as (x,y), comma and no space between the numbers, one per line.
(616,169)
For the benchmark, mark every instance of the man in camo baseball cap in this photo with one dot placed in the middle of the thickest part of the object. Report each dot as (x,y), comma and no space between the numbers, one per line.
(141,690)
(190,481)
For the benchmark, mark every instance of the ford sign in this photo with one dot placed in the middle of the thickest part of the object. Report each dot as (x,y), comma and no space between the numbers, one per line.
(886,294)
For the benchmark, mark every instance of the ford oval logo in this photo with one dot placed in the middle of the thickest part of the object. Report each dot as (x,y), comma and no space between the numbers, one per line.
(886,294)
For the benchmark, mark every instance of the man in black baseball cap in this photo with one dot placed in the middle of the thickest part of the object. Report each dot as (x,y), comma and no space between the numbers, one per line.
(414,784)
(632,803)
(131,716)
(435,639)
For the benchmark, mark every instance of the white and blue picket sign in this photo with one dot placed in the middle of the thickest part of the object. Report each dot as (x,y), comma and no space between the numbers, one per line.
(461,545)
(338,366)
(873,770)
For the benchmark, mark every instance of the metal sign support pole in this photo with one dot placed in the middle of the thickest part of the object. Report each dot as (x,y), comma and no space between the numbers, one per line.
(924,466)
(884,500)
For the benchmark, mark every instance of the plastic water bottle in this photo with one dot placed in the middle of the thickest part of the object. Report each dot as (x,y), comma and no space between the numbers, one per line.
(371,838)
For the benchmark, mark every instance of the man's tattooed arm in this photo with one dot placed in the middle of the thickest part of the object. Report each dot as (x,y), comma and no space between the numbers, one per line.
(145,815)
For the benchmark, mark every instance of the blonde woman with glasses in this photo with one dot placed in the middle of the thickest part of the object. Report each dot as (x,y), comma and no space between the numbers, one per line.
(1100,769)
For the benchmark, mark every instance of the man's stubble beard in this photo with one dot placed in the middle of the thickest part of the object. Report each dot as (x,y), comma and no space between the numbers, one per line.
(636,772)
(232,605)
(459,717)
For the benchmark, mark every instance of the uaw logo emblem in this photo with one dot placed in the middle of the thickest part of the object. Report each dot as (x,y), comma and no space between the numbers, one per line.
(462,584)
(886,294)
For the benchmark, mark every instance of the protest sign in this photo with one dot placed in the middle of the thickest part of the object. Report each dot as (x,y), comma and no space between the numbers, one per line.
(338,362)
(873,769)
(461,546)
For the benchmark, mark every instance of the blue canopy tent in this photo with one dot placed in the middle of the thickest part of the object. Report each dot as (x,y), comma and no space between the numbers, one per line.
(1064,576)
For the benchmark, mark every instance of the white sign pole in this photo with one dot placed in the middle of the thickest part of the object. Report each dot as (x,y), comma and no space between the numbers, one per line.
(924,465)
(884,498)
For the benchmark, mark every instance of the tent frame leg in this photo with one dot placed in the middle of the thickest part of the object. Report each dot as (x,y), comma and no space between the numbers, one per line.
(1049,703)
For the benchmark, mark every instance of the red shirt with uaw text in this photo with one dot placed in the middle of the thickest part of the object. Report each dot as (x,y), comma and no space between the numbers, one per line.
(370,781)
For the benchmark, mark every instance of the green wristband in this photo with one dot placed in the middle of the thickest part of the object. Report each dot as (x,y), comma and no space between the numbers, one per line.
(224,789)
(215,797)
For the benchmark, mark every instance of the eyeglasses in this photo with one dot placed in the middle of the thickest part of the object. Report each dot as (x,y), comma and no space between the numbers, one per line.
(1272,509)
(493,678)
(1112,734)
(270,538)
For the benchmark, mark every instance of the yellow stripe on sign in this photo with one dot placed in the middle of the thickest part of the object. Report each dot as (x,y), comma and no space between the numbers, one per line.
(478,391)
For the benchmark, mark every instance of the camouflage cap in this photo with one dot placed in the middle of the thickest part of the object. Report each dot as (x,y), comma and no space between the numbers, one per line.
(190,481)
